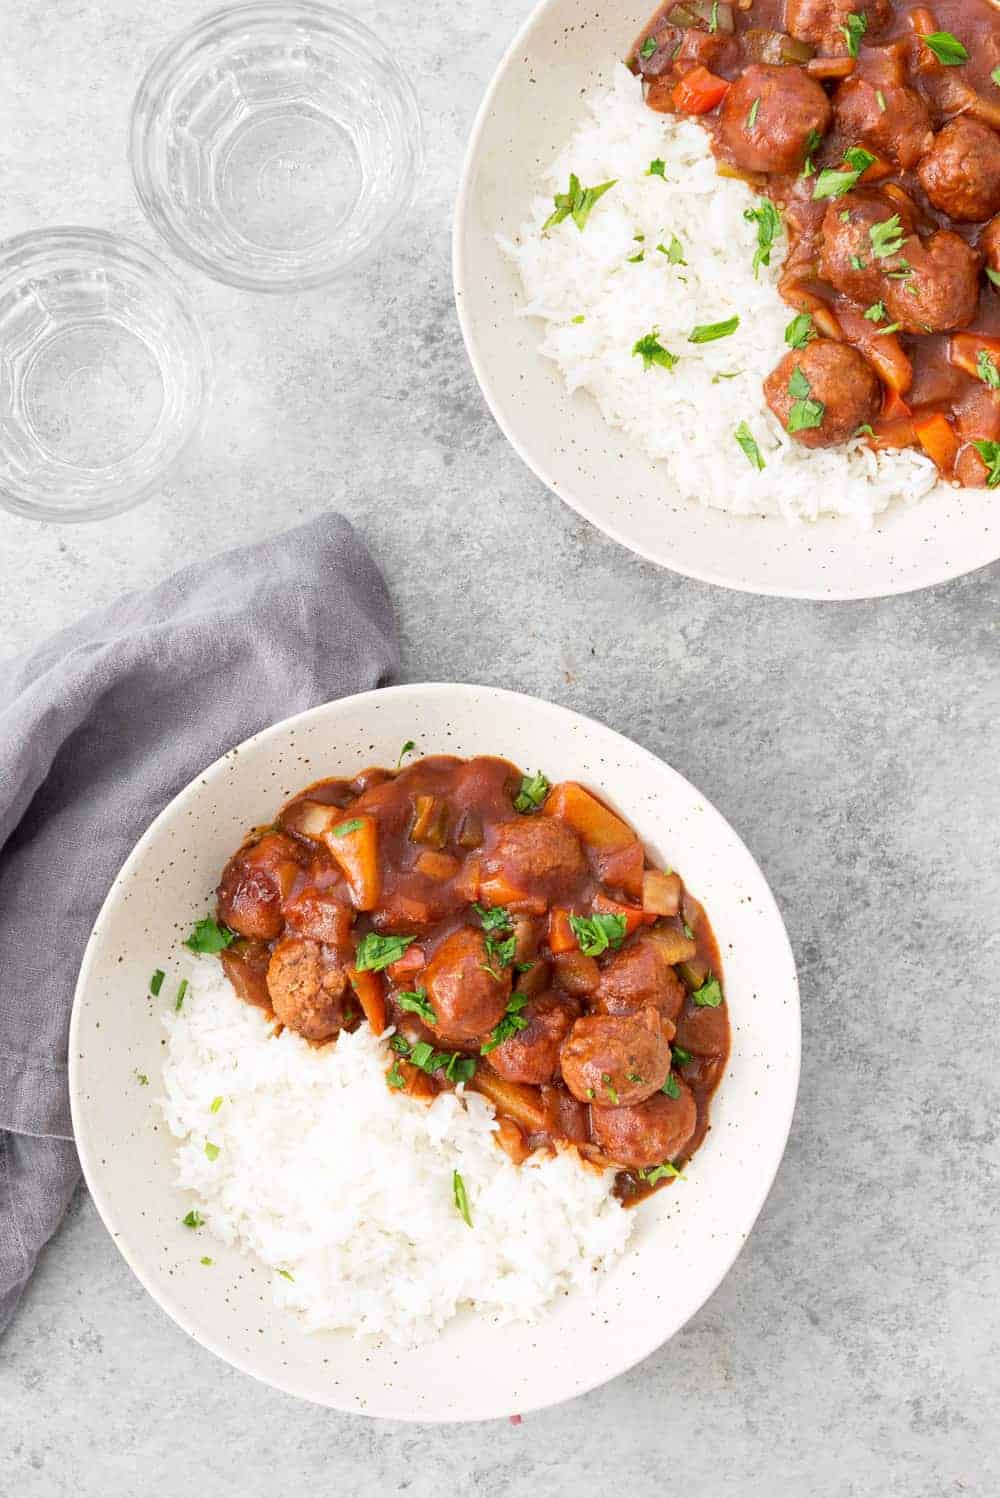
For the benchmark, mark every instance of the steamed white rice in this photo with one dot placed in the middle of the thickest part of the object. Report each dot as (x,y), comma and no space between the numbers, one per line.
(345,1190)
(684,418)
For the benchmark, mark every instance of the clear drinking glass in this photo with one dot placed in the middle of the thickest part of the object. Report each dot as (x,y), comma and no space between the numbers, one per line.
(272,145)
(104,372)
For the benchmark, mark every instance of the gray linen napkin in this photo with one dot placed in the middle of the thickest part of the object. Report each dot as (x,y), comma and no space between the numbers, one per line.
(99,728)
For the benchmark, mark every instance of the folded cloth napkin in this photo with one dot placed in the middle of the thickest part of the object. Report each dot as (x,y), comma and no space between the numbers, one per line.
(99,728)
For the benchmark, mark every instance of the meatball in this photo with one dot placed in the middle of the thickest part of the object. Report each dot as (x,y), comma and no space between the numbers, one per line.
(254,883)
(532,1055)
(940,290)
(823,22)
(989,244)
(961,171)
(649,1134)
(537,853)
(769,115)
(616,1059)
(839,380)
(639,977)
(901,130)
(467,998)
(306,988)
(315,913)
(847,259)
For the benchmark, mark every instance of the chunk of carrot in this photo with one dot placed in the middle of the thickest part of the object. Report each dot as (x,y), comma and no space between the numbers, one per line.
(437,865)
(937,437)
(965,350)
(354,846)
(699,91)
(370,989)
(589,818)
(561,935)
(497,889)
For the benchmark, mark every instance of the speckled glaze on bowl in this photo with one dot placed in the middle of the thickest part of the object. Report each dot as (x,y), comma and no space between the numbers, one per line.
(686,1237)
(530,110)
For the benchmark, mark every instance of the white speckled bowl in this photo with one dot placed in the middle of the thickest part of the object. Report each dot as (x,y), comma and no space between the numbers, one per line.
(530,110)
(686,1237)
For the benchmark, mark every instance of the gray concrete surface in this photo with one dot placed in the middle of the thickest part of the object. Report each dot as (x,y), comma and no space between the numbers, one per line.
(852,1351)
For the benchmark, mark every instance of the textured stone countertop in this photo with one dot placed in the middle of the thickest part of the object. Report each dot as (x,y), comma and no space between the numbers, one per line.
(852,1350)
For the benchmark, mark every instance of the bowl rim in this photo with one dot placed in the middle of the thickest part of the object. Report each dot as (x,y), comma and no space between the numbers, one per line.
(462,274)
(148,95)
(104,243)
(172,1304)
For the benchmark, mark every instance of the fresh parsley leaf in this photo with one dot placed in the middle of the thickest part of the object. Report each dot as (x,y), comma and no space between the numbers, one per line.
(995,75)
(713,21)
(674,251)
(636,259)
(990,454)
(648,47)
(596,933)
(670,1087)
(768,222)
(534,789)
(892,327)
(343,828)
(193,1219)
(652,351)
(512,1021)
(680,1055)
(880,100)
(664,1172)
(216,1105)
(813,142)
(376,952)
(993,275)
(656,168)
(987,370)
(395,1077)
(579,318)
(752,114)
(576,203)
(876,312)
(414,1001)
(887,237)
(156,982)
(209,936)
(857,263)
(495,918)
(805,414)
(800,330)
(798,385)
(687,931)
(207,1261)
(709,332)
(182,989)
(709,995)
(142,1079)
(461,1197)
(832,183)
(745,438)
(286,1274)
(854,29)
(501,951)
(407,748)
(865,430)
(946,48)
(609,1088)
(211,1150)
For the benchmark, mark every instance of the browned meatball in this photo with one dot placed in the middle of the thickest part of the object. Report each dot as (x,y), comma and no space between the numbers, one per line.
(538,854)
(254,883)
(317,914)
(839,380)
(703,1031)
(823,22)
(961,171)
(467,999)
(769,115)
(638,977)
(847,258)
(616,1059)
(651,1133)
(532,1055)
(306,988)
(901,130)
(989,244)
(940,290)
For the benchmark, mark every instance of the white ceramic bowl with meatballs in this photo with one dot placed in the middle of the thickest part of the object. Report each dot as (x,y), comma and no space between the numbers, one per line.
(687,1235)
(530,111)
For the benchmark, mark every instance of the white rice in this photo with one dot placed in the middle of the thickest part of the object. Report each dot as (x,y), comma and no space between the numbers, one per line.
(325,1174)
(684,418)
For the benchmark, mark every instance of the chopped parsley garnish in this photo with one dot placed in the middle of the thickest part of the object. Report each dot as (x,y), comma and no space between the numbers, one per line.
(534,789)
(854,29)
(414,1001)
(286,1274)
(880,100)
(664,1172)
(803,413)
(745,438)
(768,222)
(343,828)
(813,142)
(995,75)
(182,989)
(609,1089)
(156,982)
(670,1087)
(395,1077)
(576,202)
(376,952)
(892,327)
(946,48)
(876,312)
(656,168)
(752,114)
(713,22)
(990,454)
(207,1261)
(832,183)
(636,259)
(709,332)
(407,748)
(993,275)
(497,918)
(680,1055)
(687,931)
(456,1067)
(209,936)
(800,330)
(461,1197)
(512,1021)
(674,251)
(865,430)
(633,1076)
(142,1079)
(211,1150)
(857,263)
(500,951)
(653,352)
(596,933)
(709,995)
(887,237)
(193,1219)
(987,370)
(579,318)
(216,1105)
(648,48)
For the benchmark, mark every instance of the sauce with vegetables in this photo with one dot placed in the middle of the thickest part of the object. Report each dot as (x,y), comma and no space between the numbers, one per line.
(515,935)
(873,126)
